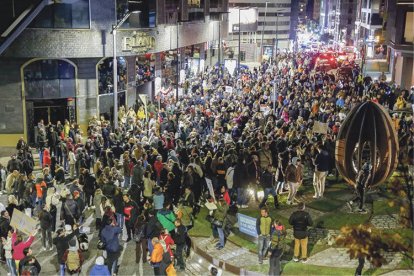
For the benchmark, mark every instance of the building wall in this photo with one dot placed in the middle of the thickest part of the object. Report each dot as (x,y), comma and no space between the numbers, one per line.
(274,8)
(84,47)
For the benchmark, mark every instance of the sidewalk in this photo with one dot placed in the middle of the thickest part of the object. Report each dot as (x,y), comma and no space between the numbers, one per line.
(232,259)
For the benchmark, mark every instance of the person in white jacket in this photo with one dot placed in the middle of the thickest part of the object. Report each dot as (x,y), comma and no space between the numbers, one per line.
(7,246)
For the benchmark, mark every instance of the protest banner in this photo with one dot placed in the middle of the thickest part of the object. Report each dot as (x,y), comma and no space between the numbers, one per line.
(23,222)
(319,127)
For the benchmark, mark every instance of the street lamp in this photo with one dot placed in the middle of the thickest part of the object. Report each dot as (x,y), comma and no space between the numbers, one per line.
(115,64)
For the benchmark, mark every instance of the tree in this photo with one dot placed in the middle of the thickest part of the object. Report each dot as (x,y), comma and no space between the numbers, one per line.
(364,242)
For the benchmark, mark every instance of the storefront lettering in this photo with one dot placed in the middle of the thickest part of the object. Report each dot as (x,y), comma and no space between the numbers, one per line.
(139,43)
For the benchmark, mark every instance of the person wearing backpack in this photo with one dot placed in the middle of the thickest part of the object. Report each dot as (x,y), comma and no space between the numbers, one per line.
(29,266)
(110,238)
(73,258)
(62,244)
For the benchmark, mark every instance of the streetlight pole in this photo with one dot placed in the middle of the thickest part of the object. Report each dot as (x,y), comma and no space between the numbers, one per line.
(177,67)
(115,64)
(263,30)
(238,56)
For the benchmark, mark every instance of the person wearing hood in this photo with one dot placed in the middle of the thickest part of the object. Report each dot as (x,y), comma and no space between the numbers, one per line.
(99,269)
(62,243)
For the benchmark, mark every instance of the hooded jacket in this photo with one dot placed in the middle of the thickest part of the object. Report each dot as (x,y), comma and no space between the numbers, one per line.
(109,236)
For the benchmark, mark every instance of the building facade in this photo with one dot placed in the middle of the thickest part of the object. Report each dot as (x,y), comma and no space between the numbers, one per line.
(56,57)
(399,36)
(337,17)
(277,23)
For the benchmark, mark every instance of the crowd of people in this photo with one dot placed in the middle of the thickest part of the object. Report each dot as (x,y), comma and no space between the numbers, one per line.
(212,147)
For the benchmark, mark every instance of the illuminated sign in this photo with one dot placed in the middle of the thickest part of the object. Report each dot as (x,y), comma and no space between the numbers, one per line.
(139,43)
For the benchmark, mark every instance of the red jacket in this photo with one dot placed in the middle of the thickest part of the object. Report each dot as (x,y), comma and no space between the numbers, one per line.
(158,165)
(168,242)
(46,158)
(18,249)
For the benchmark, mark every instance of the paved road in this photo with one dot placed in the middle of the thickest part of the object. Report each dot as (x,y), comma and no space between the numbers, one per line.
(196,265)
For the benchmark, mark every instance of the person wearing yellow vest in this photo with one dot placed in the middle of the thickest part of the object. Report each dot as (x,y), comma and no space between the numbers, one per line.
(263,227)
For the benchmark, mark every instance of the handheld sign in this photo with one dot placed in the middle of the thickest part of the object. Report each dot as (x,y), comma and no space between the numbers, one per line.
(23,222)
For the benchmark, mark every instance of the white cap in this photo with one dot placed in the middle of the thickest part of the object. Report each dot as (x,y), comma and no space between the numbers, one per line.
(68,228)
(100,261)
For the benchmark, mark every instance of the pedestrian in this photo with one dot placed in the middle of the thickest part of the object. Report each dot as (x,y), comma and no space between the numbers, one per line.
(219,221)
(18,246)
(73,258)
(99,269)
(268,184)
(322,164)
(140,239)
(263,228)
(277,248)
(63,236)
(156,256)
(300,220)
(8,252)
(46,221)
(292,179)
(29,265)
(166,217)
(362,181)
(110,238)
(179,236)
(131,212)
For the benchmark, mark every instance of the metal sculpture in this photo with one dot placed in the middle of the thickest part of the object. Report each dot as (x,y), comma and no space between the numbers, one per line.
(367,134)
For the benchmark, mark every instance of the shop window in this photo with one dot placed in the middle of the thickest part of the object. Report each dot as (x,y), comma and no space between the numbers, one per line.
(409,28)
(105,78)
(49,79)
(64,14)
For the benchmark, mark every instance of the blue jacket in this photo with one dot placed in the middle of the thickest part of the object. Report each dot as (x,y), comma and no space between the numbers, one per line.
(109,236)
(158,199)
(99,270)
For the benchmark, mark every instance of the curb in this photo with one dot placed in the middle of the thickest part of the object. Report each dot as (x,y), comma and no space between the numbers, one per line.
(222,264)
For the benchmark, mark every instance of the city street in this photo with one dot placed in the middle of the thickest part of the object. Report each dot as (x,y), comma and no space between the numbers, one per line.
(196,265)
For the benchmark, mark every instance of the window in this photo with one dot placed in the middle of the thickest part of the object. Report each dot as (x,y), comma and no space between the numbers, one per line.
(409,27)
(64,14)
(49,79)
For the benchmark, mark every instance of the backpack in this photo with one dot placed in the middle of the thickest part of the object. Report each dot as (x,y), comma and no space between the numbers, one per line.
(73,261)
(164,245)
(29,270)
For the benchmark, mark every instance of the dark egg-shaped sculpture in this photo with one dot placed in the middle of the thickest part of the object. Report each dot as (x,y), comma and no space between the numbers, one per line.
(367,135)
